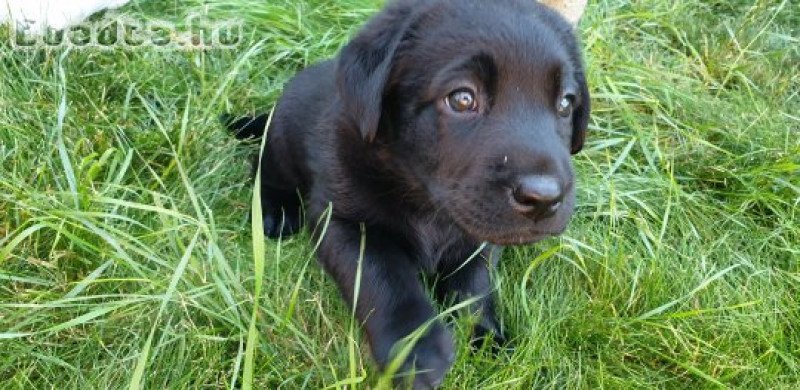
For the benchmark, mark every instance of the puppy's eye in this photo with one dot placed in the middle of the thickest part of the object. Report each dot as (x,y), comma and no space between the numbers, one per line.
(462,100)
(565,106)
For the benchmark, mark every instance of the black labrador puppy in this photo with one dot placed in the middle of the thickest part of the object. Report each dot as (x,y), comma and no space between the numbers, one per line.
(443,125)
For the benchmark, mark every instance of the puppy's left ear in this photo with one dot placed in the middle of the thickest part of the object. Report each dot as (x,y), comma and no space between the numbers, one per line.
(580,118)
(365,65)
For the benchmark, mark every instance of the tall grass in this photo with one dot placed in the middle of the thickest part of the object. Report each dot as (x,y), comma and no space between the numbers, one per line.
(127,254)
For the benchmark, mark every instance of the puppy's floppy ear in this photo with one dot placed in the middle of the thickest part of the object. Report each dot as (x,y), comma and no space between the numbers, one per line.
(365,64)
(580,117)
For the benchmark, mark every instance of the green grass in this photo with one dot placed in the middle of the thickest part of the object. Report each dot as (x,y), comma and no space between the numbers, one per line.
(127,256)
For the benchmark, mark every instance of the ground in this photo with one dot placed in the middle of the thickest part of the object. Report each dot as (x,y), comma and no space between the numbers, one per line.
(127,258)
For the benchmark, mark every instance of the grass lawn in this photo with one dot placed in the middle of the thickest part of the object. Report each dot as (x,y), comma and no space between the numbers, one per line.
(127,258)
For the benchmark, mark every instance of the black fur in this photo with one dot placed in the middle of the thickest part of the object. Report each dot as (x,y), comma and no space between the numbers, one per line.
(371,134)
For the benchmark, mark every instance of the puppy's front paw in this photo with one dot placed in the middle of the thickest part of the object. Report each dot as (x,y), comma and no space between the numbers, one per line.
(279,224)
(430,360)
(492,335)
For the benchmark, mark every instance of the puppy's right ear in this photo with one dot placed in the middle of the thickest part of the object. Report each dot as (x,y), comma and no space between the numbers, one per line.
(580,117)
(365,65)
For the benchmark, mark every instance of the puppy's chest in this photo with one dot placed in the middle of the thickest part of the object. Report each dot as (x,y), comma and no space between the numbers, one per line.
(438,245)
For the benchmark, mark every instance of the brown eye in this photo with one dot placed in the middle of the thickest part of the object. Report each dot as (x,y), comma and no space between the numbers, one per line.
(462,100)
(565,106)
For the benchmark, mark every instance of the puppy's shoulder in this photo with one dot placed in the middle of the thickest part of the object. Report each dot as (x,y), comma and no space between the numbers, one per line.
(306,97)
(317,79)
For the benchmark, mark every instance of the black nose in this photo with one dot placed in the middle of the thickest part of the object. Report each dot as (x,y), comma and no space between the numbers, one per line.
(538,194)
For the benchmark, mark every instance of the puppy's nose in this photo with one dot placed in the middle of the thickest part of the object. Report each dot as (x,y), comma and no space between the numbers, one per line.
(539,194)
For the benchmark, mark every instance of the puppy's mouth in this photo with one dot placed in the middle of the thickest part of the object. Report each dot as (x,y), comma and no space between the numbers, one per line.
(486,220)
(490,214)
(512,238)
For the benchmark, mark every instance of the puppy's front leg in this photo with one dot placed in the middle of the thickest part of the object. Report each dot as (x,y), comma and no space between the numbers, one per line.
(391,302)
(462,281)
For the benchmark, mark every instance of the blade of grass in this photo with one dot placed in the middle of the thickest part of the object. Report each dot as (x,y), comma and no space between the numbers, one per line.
(138,373)
(259,258)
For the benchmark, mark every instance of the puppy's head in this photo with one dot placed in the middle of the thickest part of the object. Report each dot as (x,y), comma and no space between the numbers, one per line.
(479,104)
